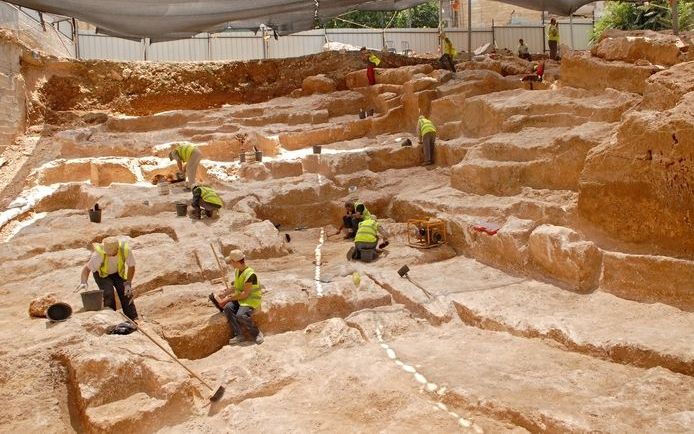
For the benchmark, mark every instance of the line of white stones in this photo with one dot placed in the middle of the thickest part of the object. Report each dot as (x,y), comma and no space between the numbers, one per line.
(316,279)
(428,386)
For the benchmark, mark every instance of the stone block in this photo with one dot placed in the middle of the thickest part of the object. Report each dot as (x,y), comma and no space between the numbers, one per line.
(580,70)
(318,84)
(561,254)
(649,279)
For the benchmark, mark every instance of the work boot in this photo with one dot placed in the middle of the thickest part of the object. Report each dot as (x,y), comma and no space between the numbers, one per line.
(236,340)
(260,338)
(196,214)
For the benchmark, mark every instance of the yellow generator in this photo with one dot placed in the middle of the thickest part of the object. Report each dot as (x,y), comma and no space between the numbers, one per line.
(425,234)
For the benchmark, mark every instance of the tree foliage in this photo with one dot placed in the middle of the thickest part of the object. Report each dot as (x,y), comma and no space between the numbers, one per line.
(654,15)
(425,15)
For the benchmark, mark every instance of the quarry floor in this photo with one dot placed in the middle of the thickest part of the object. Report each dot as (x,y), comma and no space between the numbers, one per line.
(494,348)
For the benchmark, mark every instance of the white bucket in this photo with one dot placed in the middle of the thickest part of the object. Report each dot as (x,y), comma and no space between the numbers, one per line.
(163,188)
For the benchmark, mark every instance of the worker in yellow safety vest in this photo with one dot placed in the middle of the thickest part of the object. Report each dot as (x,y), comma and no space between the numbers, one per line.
(553,38)
(449,53)
(355,211)
(206,198)
(372,61)
(113,266)
(240,306)
(426,132)
(366,240)
(187,157)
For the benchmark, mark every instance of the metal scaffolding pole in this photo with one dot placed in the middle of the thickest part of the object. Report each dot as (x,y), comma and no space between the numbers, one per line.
(469,28)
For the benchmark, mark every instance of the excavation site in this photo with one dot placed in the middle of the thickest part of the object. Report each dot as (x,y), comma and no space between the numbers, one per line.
(535,274)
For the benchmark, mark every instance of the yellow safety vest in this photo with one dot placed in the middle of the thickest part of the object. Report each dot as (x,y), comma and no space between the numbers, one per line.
(367,232)
(253,300)
(553,33)
(210,196)
(373,59)
(366,214)
(448,48)
(123,252)
(426,126)
(185,151)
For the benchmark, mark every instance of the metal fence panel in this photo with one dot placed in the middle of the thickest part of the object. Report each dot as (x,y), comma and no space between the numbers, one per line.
(247,45)
(370,38)
(296,45)
(418,40)
(508,36)
(94,46)
(581,31)
(236,46)
(192,49)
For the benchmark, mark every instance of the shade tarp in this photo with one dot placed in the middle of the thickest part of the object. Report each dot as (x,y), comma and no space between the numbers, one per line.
(171,19)
(162,20)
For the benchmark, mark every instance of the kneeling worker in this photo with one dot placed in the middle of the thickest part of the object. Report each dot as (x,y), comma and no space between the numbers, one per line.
(240,306)
(355,211)
(207,198)
(113,266)
(190,155)
(366,240)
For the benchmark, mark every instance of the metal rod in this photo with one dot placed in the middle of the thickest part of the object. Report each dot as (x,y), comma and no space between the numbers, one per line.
(469,28)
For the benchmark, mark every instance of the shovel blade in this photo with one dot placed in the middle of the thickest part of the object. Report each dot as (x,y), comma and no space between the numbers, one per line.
(217,395)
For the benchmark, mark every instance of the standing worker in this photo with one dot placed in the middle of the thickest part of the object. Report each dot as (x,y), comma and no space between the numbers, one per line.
(426,131)
(113,266)
(553,38)
(190,155)
(449,52)
(372,61)
(208,199)
(366,240)
(240,306)
(355,211)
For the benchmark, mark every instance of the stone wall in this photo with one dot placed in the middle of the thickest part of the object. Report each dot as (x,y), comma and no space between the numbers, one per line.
(12,102)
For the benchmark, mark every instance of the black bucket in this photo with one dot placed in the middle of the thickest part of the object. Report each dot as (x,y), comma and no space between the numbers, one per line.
(59,312)
(242,157)
(316,149)
(371,112)
(95,215)
(407,142)
(362,114)
(93,300)
(403,271)
(258,156)
(181,209)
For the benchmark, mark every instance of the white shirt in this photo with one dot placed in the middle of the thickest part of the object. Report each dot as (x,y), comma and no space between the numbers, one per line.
(95,262)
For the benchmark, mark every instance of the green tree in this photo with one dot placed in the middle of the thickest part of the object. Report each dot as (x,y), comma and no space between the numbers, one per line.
(421,16)
(654,15)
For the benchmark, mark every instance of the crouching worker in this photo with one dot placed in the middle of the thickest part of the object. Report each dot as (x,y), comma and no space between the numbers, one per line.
(113,266)
(354,213)
(366,240)
(240,306)
(208,199)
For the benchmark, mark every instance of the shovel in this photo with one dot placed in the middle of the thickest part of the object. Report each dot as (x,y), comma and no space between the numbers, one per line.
(216,393)
(402,272)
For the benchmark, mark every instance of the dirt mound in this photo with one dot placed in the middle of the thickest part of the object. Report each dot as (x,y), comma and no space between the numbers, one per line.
(142,88)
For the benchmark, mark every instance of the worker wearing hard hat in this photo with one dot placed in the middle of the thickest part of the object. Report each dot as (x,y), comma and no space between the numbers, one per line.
(113,267)
(243,302)
(187,157)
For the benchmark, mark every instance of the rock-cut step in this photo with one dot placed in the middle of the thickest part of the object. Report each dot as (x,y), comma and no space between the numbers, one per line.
(597,324)
(545,389)
(551,158)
